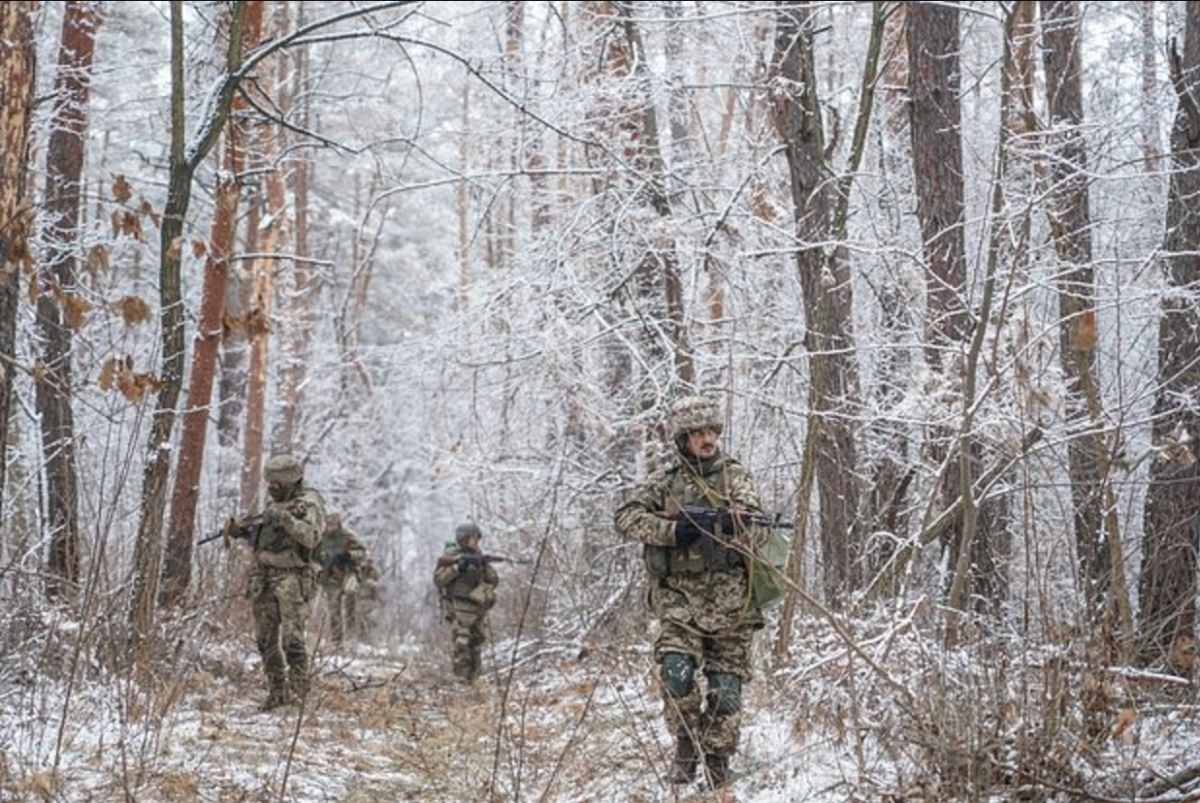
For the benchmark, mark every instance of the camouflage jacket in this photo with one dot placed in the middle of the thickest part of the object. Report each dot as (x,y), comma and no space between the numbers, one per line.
(472,591)
(340,554)
(291,530)
(702,585)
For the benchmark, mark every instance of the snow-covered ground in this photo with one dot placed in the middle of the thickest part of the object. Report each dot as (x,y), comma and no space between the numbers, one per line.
(387,724)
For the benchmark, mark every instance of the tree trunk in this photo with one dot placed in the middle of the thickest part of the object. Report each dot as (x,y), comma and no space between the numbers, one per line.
(177,567)
(1097,535)
(1172,513)
(184,159)
(828,300)
(55,385)
(258,317)
(18,59)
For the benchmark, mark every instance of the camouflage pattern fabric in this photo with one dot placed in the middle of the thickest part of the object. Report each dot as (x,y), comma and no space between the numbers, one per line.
(282,586)
(341,556)
(466,598)
(702,602)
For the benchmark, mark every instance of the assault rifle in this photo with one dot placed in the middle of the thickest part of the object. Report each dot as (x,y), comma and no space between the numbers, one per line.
(471,559)
(705,521)
(235,529)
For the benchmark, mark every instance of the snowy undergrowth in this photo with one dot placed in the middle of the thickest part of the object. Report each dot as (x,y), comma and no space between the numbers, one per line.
(559,725)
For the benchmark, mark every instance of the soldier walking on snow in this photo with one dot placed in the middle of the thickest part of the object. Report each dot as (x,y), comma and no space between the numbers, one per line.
(281,581)
(699,588)
(466,583)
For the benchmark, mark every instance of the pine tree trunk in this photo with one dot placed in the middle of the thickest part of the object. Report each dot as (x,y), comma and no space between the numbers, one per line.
(55,387)
(177,567)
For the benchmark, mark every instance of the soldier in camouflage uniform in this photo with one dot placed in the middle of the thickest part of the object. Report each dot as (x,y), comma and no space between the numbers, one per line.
(699,589)
(467,590)
(282,582)
(345,569)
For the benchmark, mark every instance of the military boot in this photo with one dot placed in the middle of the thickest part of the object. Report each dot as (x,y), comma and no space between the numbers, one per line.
(717,770)
(683,769)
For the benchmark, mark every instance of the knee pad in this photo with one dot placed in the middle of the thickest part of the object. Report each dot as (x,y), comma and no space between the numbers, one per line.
(724,694)
(678,670)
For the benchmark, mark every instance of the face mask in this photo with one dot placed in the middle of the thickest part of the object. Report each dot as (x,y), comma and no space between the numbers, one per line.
(279,493)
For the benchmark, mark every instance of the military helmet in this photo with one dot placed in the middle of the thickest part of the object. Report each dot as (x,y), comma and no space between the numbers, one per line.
(284,469)
(691,413)
(466,530)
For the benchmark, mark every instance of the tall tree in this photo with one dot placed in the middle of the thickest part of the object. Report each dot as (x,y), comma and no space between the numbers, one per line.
(935,125)
(827,297)
(177,567)
(18,59)
(1097,537)
(58,306)
(263,287)
(184,159)
(1172,512)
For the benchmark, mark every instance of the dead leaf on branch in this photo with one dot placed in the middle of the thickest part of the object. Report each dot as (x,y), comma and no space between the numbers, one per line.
(121,190)
(97,260)
(134,310)
(117,373)
(75,310)
(175,250)
(199,249)
(146,210)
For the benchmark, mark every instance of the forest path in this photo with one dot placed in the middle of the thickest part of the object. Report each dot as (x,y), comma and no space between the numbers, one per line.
(384,726)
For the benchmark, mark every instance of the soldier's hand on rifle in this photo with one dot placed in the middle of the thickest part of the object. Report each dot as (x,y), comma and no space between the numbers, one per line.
(687,531)
(463,565)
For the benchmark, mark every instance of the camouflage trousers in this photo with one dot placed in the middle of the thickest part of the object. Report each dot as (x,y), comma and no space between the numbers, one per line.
(728,652)
(342,608)
(469,633)
(279,599)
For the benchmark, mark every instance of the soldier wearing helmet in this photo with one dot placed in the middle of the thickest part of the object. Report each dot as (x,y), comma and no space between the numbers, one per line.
(699,588)
(282,582)
(346,570)
(466,583)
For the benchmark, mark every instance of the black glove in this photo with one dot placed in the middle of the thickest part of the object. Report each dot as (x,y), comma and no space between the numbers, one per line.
(687,532)
(727,520)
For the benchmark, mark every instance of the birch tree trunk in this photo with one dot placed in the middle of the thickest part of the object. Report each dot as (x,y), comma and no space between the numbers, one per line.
(64,199)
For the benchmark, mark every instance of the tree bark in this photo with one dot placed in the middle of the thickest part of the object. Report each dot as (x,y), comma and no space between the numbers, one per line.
(64,198)
(1172,512)
(18,60)
(827,298)
(184,159)
(1097,534)
(181,534)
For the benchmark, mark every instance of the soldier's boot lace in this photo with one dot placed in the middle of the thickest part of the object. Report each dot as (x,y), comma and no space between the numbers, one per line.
(717,769)
(683,769)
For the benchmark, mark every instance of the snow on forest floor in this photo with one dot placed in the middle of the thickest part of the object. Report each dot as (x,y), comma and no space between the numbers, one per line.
(387,725)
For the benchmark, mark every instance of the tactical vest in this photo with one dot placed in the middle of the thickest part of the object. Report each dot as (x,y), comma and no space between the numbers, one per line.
(279,550)
(467,581)
(688,487)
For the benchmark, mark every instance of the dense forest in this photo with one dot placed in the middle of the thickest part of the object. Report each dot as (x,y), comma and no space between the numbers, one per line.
(938,262)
